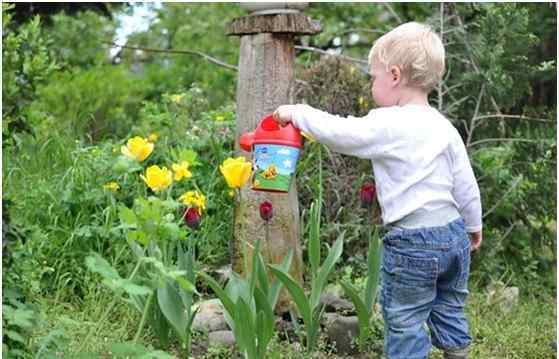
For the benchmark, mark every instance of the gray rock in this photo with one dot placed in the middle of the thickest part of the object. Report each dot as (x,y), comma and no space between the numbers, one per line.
(334,288)
(209,322)
(334,303)
(503,297)
(509,299)
(221,338)
(343,332)
(209,317)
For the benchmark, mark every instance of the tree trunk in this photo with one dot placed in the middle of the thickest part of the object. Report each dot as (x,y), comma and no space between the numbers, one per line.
(266,79)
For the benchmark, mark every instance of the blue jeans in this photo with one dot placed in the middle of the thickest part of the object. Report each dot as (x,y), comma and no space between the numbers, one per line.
(425,281)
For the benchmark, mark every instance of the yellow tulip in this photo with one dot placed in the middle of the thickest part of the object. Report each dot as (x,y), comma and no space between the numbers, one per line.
(194,198)
(157,178)
(236,171)
(153,137)
(177,98)
(181,170)
(112,186)
(137,148)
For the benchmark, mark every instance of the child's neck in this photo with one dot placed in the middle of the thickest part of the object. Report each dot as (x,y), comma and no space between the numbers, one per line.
(412,96)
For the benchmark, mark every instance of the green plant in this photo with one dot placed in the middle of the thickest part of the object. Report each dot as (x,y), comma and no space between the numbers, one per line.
(309,307)
(249,303)
(364,303)
(26,63)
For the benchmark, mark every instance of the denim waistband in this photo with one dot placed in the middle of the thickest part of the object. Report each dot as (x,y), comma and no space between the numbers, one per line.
(422,218)
(443,237)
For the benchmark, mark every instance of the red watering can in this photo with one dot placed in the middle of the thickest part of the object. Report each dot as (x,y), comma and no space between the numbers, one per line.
(275,153)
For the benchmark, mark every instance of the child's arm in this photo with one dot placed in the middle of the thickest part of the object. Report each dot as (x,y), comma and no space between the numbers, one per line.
(361,137)
(466,191)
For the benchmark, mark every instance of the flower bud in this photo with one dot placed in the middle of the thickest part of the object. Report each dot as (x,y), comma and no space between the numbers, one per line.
(266,210)
(367,194)
(192,218)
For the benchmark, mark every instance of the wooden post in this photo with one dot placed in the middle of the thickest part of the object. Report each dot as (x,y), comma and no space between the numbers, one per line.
(266,79)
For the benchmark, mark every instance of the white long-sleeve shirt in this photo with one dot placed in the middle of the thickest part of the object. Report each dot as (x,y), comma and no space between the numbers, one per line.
(419,159)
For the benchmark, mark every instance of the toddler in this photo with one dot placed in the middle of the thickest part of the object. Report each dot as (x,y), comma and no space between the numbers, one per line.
(426,189)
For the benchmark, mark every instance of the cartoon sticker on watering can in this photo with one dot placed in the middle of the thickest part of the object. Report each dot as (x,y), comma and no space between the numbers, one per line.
(274,167)
(276,151)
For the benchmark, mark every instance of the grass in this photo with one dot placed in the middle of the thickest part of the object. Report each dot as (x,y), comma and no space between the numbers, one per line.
(527,332)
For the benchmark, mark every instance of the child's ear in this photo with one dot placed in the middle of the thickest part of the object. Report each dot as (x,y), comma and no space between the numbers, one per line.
(396,75)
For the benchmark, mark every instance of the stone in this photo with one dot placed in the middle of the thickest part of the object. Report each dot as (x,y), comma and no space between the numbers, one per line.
(333,303)
(209,322)
(509,299)
(343,332)
(334,288)
(224,338)
(209,317)
(503,297)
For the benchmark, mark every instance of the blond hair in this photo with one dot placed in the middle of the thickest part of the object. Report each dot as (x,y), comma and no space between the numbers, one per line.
(416,50)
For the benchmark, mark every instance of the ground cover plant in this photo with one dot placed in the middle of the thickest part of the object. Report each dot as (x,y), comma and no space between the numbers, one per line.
(120,181)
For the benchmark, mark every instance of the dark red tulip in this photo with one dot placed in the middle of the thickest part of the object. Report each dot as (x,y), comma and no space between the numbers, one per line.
(266,210)
(367,194)
(192,218)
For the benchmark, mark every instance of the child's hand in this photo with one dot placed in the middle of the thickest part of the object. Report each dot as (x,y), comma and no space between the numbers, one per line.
(475,240)
(284,114)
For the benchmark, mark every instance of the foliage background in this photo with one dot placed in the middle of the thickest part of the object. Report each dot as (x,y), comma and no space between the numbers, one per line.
(67,107)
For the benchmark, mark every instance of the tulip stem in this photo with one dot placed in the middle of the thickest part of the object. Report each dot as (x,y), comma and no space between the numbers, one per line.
(241,232)
(144,317)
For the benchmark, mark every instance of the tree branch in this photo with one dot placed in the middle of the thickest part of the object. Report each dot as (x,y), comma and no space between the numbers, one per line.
(496,205)
(519,117)
(474,117)
(169,51)
(392,12)
(324,52)
(504,139)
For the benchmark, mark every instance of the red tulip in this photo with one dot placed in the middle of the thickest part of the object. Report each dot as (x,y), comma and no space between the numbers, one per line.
(367,194)
(192,218)
(266,210)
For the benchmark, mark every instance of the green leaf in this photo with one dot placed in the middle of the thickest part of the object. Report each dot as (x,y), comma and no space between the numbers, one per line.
(158,323)
(296,292)
(221,294)
(262,274)
(265,320)
(246,329)
(127,216)
(273,294)
(254,271)
(190,156)
(333,256)
(138,236)
(173,308)
(98,264)
(13,335)
(127,349)
(363,314)
(131,288)
(374,256)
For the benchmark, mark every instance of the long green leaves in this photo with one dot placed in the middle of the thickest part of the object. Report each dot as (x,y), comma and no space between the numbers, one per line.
(373,268)
(249,305)
(364,306)
(309,307)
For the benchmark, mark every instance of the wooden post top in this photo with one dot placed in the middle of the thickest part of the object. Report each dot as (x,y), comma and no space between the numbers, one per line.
(296,23)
